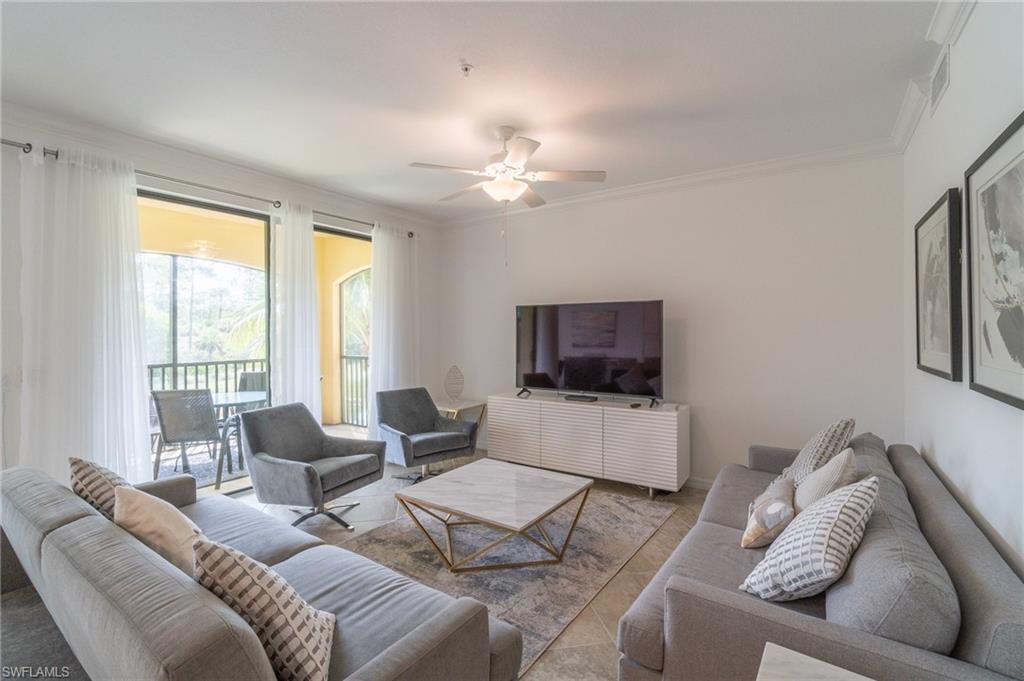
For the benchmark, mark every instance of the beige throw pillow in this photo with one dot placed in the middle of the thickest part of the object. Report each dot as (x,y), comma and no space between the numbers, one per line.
(770,513)
(828,442)
(95,484)
(813,552)
(839,472)
(296,636)
(157,524)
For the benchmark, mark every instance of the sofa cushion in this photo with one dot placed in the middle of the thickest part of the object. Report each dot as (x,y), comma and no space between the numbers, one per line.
(33,505)
(992,619)
(337,470)
(376,606)
(296,636)
(129,614)
(895,585)
(249,530)
(730,496)
(424,444)
(709,553)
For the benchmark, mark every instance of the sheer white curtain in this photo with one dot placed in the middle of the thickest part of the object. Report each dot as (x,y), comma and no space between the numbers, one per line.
(84,383)
(295,361)
(394,328)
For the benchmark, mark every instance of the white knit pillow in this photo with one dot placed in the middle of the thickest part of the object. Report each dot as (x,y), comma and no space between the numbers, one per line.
(839,472)
(814,550)
(296,636)
(828,442)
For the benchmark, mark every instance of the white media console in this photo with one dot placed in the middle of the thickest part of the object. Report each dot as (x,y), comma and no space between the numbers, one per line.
(604,439)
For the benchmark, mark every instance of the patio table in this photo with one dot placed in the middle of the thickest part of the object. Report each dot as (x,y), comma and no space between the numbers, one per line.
(240,400)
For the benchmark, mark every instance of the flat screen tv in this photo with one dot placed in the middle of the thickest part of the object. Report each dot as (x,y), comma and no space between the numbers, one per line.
(606,348)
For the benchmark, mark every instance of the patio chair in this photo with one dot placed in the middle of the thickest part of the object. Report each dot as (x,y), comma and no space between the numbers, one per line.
(252,380)
(187,417)
(416,434)
(292,460)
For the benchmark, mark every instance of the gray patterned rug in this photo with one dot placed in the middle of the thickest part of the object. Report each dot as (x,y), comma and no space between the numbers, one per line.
(540,601)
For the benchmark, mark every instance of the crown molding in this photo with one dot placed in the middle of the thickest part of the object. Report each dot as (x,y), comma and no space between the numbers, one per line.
(175,160)
(915,101)
(741,172)
(948,21)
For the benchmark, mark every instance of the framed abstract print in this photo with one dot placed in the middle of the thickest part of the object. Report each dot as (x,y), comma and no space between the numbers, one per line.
(994,194)
(937,290)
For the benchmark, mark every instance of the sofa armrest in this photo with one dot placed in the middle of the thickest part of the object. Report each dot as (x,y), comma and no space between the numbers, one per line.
(770,459)
(453,644)
(179,490)
(398,445)
(282,481)
(715,634)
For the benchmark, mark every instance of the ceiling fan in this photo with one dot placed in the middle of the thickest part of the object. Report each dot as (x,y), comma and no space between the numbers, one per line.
(507,174)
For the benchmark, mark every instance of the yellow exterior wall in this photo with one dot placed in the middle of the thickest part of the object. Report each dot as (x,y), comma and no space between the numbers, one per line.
(166,227)
(337,258)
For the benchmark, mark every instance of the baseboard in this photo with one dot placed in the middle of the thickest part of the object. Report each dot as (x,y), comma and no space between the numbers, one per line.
(698,483)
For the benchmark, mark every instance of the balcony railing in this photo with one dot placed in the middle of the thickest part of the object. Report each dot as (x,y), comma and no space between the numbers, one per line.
(218,377)
(355,388)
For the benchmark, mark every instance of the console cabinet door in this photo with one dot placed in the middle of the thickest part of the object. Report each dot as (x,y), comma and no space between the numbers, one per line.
(513,430)
(641,447)
(570,438)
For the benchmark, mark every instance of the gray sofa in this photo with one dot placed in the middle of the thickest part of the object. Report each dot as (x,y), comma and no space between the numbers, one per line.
(924,573)
(129,614)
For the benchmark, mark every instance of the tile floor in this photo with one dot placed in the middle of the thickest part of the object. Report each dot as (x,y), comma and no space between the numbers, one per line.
(585,651)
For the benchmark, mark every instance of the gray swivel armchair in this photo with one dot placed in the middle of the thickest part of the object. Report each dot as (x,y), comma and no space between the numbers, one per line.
(416,434)
(293,461)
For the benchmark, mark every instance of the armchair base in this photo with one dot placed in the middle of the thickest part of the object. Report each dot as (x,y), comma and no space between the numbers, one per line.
(423,475)
(327,511)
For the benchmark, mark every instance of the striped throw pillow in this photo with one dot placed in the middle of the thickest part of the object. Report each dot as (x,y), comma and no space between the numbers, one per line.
(828,442)
(95,484)
(814,550)
(296,636)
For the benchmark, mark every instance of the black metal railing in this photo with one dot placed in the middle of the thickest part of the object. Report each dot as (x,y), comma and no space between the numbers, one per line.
(355,390)
(216,376)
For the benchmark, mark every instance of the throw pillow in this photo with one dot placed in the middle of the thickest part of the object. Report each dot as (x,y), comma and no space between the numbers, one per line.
(157,524)
(839,472)
(295,635)
(828,442)
(770,513)
(95,484)
(814,550)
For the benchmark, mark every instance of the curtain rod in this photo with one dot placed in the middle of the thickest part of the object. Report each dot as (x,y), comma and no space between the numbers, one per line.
(27,148)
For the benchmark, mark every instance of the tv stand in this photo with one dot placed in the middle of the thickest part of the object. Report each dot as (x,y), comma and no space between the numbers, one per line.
(605,439)
(575,397)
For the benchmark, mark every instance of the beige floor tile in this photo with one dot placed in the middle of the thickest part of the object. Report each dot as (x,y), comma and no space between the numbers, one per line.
(585,630)
(582,663)
(612,602)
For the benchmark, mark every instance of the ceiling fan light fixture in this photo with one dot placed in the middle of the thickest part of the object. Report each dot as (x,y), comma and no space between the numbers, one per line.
(504,189)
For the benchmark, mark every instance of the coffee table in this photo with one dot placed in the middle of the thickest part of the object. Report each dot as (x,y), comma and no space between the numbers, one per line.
(504,496)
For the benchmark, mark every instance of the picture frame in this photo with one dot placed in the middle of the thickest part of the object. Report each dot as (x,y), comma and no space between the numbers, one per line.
(994,209)
(937,264)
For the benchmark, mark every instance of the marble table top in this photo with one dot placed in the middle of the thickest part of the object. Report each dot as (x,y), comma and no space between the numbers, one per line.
(783,664)
(497,493)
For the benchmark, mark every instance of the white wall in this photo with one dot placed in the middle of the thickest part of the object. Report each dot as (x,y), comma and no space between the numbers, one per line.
(42,129)
(977,442)
(782,307)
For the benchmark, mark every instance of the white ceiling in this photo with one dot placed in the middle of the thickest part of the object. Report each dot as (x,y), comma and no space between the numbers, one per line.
(344,96)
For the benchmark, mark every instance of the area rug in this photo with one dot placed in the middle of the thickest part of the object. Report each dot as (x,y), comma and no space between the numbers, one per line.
(540,601)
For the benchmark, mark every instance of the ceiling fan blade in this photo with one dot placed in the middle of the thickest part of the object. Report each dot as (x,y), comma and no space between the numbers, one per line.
(532,198)
(454,169)
(567,176)
(470,188)
(519,151)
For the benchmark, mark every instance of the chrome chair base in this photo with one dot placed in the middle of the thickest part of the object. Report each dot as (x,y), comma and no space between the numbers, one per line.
(328,511)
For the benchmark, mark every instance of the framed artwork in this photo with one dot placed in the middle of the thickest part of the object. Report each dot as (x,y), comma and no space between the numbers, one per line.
(994,195)
(937,274)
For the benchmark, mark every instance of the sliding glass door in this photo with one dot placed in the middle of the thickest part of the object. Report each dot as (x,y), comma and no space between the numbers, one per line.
(205,292)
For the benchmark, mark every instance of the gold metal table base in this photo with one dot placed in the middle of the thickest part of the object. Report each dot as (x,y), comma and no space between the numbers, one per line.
(462,564)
